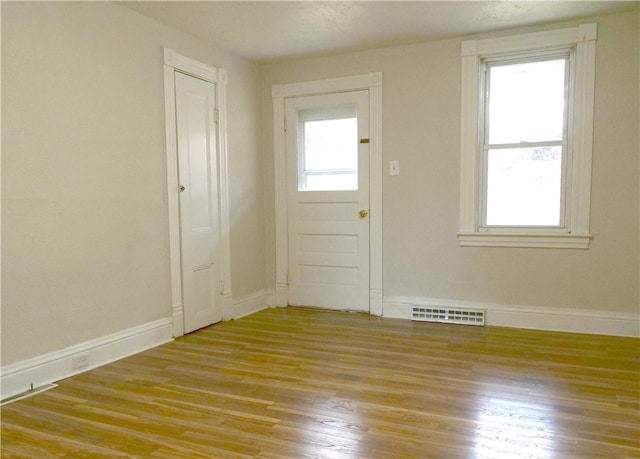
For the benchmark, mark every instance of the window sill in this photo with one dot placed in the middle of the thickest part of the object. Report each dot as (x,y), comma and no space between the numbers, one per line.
(550,241)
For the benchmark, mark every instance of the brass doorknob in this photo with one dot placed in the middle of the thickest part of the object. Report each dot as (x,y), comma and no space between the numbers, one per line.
(364,213)
(182,188)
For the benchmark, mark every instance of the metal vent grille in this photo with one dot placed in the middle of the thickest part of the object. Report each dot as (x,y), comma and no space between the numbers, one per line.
(448,315)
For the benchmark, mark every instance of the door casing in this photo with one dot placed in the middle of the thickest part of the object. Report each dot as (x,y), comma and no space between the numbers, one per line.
(176,62)
(373,83)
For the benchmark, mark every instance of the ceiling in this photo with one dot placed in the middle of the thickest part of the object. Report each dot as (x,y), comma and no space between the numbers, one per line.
(270,31)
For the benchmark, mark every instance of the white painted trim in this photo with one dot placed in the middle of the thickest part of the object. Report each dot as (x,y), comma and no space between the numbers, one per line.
(529,41)
(191,66)
(223,191)
(172,195)
(281,295)
(532,317)
(176,62)
(309,88)
(373,83)
(227,306)
(469,142)
(178,319)
(557,241)
(582,142)
(280,175)
(375,195)
(375,302)
(271,298)
(249,304)
(54,366)
(580,156)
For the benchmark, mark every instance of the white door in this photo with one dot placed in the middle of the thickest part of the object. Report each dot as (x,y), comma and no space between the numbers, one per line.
(199,221)
(328,200)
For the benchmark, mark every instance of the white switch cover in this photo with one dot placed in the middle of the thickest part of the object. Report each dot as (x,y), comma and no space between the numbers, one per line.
(394,167)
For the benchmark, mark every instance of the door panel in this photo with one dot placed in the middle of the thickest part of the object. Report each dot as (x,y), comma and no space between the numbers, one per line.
(328,186)
(199,225)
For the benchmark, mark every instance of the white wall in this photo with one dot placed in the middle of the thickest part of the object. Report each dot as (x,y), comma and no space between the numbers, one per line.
(421,129)
(84,212)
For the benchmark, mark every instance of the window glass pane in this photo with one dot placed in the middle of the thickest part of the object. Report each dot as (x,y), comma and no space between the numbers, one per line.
(331,144)
(332,182)
(526,102)
(331,149)
(524,186)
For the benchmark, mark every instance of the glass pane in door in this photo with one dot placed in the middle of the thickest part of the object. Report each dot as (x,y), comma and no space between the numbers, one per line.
(328,160)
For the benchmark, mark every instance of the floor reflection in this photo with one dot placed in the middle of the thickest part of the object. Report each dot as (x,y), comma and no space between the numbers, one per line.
(513,428)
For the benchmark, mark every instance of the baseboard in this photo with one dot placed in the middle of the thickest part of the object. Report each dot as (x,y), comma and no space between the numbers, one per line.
(249,304)
(54,366)
(538,318)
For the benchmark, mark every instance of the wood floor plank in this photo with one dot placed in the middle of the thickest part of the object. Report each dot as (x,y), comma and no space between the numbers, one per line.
(296,383)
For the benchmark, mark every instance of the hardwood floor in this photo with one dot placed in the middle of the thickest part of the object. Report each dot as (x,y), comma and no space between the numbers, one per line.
(297,383)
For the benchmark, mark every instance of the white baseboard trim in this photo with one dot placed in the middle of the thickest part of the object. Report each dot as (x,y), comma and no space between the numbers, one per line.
(538,318)
(248,304)
(39,371)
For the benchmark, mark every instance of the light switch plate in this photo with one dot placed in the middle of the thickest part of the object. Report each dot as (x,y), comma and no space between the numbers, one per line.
(394,167)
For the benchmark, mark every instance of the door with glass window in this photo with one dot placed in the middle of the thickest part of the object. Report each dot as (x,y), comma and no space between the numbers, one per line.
(328,200)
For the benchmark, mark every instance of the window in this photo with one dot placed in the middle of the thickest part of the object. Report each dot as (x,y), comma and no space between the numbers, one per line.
(329,151)
(527,123)
(524,141)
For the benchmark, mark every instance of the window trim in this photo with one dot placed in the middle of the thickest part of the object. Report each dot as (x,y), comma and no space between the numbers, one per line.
(575,233)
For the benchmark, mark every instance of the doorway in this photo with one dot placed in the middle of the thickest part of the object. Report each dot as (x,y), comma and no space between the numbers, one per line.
(329,241)
(328,200)
(197,188)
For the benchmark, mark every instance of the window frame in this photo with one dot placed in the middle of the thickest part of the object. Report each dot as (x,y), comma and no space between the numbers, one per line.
(568,55)
(574,229)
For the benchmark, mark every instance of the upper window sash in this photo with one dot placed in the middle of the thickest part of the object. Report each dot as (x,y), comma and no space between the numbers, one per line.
(577,138)
(486,65)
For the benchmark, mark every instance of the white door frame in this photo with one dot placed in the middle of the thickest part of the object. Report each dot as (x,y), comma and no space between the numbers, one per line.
(176,62)
(373,83)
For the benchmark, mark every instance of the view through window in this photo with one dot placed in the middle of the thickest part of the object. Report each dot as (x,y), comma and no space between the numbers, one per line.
(525,141)
(329,159)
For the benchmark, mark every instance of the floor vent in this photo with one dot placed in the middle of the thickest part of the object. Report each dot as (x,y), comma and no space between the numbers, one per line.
(448,315)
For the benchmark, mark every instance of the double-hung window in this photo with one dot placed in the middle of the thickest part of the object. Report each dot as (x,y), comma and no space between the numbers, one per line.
(527,117)
(524,141)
